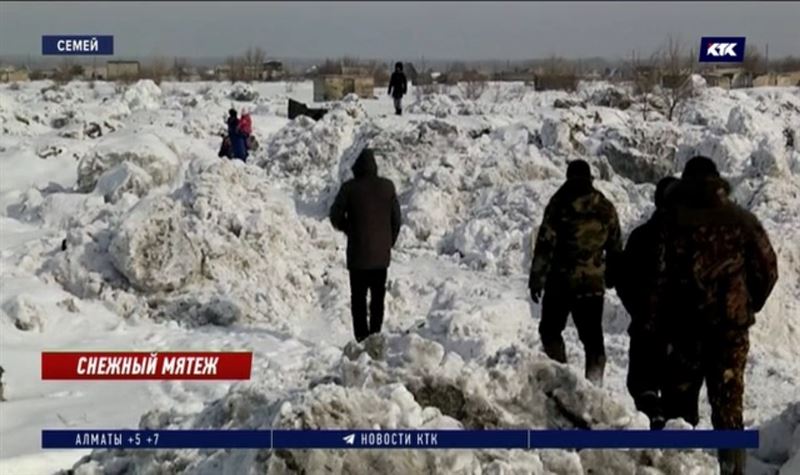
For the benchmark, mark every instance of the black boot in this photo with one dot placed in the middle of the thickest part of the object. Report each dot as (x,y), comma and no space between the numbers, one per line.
(731,461)
(650,403)
(556,351)
(595,366)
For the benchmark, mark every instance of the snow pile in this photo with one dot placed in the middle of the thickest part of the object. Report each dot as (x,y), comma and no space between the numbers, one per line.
(123,178)
(641,154)
(242,92)
(223,247)
(151,247)
(438,105)
(610,96)
(144,95)
(57,94)
(410,382)
(156,163)
(313,158)
(779,444)
(26,315)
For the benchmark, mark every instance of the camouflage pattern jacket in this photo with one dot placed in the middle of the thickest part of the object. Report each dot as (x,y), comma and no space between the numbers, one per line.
(717,265)
(579,237)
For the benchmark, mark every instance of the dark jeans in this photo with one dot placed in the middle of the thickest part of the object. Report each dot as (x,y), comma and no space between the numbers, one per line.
(373,280)
(587,313)
(398,105)
(646,371)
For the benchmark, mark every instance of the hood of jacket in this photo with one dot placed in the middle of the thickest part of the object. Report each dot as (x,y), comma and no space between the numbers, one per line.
(701,192)
(365,165)
(575,187)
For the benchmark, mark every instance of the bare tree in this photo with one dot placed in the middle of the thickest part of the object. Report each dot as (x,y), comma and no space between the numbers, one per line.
(753,62)
(786,64)
(156,70)
(330,66)
(645,78)
(473,85)
(558,66)
(423,90)
(236,69)
(253,60)
(67,71)
(675,65)
(179,69)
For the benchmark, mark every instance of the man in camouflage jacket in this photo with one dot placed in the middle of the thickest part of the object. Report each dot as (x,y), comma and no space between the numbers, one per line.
(718,268)
(577,249)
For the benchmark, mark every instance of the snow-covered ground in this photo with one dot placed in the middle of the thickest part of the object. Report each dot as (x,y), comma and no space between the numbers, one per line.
(170,247)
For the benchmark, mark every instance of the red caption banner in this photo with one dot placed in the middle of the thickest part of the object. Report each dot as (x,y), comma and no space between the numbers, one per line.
(116,365)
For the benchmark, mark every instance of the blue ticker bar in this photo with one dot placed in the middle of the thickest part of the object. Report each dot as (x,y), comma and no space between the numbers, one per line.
(398,439)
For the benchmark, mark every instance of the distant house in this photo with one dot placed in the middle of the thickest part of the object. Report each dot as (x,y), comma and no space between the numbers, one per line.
(122,70)
(778,79)
(333,87)
(558,82)
(12,74)
(207,74)
(455,77)
(95,72)
(272,71)
(728,78)
(44,74)
(526,75)
(222,72)
(717,80)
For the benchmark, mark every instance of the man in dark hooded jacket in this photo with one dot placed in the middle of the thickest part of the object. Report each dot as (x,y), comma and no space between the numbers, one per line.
(367,210)
(397,87)
(636,287)
(577,250)
(718,269)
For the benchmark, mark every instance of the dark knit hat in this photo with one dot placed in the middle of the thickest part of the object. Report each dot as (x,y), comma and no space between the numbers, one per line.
(662,188)
(578,169)
(700,167)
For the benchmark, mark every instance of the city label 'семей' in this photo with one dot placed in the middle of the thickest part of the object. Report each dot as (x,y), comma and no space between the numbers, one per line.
(77,45)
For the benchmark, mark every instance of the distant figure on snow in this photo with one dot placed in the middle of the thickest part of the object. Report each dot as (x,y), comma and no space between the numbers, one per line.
(238,140)
(366,209)
(398,86)
(577,250)
(636,287)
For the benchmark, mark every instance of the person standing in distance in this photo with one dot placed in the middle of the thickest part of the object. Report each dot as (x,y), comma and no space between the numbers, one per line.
(398,85)
(577,249)
(366,209)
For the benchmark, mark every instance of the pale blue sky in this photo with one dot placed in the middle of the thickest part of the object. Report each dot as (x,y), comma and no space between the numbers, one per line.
(450,30)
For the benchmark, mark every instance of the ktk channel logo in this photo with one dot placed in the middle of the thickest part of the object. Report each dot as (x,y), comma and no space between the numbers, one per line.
(722,49)
(78,45)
